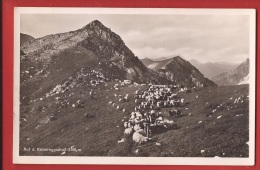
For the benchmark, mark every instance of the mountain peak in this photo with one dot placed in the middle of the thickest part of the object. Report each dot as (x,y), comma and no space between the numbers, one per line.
(246,61)
(93,24)
(177,58)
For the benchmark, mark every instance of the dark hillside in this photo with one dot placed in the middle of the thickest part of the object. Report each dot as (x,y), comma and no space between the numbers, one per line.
(24,38)
(95,127)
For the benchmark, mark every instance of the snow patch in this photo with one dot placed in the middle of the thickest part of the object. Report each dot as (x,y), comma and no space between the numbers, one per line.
(245,80)
(152,66)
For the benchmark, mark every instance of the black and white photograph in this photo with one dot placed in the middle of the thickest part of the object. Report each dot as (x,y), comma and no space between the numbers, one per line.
(134,86)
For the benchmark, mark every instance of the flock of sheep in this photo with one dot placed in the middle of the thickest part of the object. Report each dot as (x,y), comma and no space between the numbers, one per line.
(146,116)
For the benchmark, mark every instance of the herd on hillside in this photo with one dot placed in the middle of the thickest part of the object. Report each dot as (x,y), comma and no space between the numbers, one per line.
(146,117)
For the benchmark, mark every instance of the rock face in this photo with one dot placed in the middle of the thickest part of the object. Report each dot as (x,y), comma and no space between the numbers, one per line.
(55,59)
(24,38)
(180,71)
(240,75)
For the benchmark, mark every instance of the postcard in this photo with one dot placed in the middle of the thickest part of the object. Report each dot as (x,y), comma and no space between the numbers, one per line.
(126,86)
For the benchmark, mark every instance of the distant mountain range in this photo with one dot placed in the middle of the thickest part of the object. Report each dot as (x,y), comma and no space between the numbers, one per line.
(240,75)
(210,69)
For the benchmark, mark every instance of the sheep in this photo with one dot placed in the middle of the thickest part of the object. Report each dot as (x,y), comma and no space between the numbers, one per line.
(117,107)
(126,97)
(141,131)
(128,131)
(115,95)
(113,104)
(126,124)
(133,114)
(120,100)
(159,104)
(136,127)
(174,112)
(136,100)
(176,102)
(123,110)
(169,124)
(139,115)
(138,138)
(110,102)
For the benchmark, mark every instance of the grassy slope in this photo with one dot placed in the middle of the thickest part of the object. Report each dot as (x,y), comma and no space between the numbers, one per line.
(98,133)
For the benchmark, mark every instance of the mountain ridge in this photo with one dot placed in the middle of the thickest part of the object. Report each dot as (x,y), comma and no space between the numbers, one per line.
(179,70)
(234,77)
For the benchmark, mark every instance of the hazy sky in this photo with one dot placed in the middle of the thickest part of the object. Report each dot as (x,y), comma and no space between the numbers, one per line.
(206,38)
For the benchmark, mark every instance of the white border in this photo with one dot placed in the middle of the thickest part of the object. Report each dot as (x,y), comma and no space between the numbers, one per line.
(131,160)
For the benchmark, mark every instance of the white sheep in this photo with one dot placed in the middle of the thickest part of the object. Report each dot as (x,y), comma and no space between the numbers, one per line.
(137,127)
(138,138)
(128,131)
(126,124)
(123,110)
(141,131)
(126,97)
(169,123)
(110,102)
(117,107)
(139,115)
(158,104)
